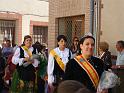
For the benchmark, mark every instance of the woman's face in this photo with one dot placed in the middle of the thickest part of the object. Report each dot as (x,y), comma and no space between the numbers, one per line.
(87,47)
(76,41)
(62,43)
(28,42)
(100,51)
(8,44)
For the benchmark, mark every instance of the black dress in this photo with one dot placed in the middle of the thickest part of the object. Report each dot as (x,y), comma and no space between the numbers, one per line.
(26,73)
(75,72)
(107,59)
(107,63)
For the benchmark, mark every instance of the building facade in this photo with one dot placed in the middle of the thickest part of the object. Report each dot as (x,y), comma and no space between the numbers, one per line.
(74,18)
(20,18)
(112,23)
(68,17)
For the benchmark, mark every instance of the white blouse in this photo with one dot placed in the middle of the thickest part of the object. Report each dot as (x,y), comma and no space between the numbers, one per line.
(63,55)
(16,57)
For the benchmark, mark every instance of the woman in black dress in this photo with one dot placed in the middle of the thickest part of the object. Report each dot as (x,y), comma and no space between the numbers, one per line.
(24,76)
(85,68)
(105,54)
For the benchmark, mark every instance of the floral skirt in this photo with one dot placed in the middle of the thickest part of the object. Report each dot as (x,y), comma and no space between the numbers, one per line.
(20,86)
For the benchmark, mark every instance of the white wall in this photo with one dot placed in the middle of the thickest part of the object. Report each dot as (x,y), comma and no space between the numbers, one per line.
(25,6)
(25,26)
(31,10)
(26,23)
(112,22)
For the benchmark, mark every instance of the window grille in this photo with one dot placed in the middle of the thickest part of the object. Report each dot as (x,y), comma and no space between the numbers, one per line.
(71,27)
(40,34)
(7,30)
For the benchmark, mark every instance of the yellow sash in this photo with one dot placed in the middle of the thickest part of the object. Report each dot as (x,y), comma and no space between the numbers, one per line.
(92,73)
(27,50)
(58,59)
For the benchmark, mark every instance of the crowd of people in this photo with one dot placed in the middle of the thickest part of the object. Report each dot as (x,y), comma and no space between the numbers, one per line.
(29,69)
(22,68)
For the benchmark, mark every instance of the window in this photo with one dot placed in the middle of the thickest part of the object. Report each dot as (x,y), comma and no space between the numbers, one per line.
(7,30)
(40,34)
(71,27)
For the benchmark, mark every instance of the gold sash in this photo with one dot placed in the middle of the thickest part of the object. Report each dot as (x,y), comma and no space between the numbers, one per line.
(58,59)
(27,50)
(92,73)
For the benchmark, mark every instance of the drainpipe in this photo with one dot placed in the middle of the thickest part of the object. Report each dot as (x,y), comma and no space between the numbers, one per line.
(97,25)
(91,15)
(93,22)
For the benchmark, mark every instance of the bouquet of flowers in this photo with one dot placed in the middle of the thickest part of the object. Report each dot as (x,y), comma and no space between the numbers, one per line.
(34,56)
(42,65)
(108,80)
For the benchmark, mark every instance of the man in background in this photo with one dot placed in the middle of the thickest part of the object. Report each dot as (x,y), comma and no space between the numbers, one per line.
(120,49)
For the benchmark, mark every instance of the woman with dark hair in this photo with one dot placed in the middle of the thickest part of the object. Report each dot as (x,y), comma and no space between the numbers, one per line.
(57,61)
(85,68)
(7,49)
(24,75)
(74,47)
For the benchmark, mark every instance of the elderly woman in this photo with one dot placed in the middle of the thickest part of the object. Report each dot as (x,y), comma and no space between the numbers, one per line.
(25,70)
(85,68)
(104,54)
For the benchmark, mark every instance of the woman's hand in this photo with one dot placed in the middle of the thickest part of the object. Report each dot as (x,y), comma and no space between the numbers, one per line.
(26,59)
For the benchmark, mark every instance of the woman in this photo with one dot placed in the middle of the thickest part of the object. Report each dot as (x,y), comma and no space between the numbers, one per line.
(25,70)
(104,54)
(7,49)
(85,68)
(57,61)
(74,47)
